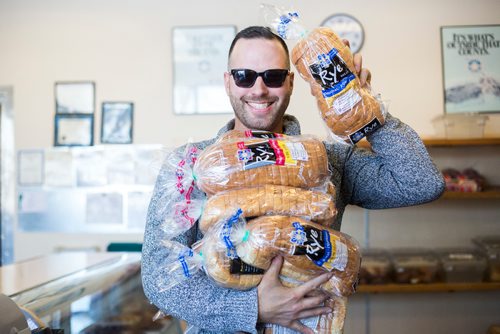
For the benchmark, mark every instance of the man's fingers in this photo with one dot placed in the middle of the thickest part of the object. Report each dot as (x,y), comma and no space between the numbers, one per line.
(365,77)
(314,312)
(316,292)
(346,42)
(301,328)
(313,284)
(275,268)
(312,302)
(358,63)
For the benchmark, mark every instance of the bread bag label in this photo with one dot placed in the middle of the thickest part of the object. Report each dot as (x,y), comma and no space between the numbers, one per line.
(236,266)
(262,134)
(364,130)
(336,80)
(182,259)
(317,245)
(270,152)
(225,234)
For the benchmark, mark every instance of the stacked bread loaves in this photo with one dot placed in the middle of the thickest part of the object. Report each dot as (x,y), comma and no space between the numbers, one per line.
(349,110)
(280,185)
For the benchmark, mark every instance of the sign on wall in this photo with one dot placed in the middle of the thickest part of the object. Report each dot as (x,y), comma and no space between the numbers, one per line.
(471,68)
(200,60)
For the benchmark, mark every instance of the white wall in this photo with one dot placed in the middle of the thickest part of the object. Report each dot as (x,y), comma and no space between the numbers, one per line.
(125,47)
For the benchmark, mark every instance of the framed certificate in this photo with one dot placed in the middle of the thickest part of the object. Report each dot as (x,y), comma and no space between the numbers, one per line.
(75,97)
(74,130)
(199,61)
(117,122)
(471,68)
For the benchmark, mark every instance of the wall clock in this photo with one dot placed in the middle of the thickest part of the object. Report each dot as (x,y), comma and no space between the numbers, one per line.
(347,27)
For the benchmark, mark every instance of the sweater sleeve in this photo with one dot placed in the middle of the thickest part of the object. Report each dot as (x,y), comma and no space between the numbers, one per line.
(396,172)
(197,300)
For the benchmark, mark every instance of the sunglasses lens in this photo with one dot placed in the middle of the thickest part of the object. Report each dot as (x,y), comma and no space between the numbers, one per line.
(244,78)
(275,78)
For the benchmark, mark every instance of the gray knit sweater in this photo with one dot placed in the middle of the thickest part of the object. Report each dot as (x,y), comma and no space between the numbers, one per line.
(396,172)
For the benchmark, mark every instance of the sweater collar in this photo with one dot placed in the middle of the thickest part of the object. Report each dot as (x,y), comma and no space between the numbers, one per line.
(291,126)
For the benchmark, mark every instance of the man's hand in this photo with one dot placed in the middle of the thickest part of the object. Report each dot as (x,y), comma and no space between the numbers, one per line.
(364,75)
(285,306)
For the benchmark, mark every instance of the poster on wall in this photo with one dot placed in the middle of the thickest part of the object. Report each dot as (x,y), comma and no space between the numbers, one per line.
(200,60)
(471,68)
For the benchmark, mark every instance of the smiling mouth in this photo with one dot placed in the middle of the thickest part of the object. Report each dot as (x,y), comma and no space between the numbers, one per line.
(260,105)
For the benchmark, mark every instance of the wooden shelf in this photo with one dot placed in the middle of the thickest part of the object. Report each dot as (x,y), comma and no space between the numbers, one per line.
(443,142)
(433,287)
(490,193)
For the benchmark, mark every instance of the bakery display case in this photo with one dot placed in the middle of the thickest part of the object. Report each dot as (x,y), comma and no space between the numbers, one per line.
(462,265)
(490,246)
(414,266)
(376,266)
(87,293)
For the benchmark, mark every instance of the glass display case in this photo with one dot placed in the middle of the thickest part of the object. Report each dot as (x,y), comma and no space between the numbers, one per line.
(85,293)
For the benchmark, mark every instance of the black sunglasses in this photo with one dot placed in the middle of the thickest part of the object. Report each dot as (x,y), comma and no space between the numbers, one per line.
(246,78)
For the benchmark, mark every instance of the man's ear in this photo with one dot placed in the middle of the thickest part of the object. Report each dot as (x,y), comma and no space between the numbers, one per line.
(292,76)
(227,82)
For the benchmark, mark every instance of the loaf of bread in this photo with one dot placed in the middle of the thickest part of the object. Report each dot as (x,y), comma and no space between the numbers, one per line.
(289,161)
(331,323)
(305,245)
(227,271)
(292,276)
(348,110)
(269,200)
(235,274)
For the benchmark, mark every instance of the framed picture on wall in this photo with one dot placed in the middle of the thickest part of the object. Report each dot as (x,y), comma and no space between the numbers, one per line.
(75,97)
(117,122)
(199,63)
(471,68)
(30,167)
(74,130)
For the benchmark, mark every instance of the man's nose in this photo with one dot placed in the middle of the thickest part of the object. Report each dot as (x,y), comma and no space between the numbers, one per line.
(259,87)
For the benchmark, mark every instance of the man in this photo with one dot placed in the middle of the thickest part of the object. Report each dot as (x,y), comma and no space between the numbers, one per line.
(397,173)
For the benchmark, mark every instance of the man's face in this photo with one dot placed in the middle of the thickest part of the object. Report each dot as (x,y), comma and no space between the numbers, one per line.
(258,107)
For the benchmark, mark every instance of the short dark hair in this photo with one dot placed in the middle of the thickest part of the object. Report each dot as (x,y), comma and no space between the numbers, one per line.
(258,32)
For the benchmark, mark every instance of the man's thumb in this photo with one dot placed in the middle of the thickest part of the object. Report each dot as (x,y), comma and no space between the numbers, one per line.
(275,267)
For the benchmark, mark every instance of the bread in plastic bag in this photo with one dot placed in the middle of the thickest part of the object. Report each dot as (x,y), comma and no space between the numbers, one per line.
(349,110)
(270,200)
(297,161)
(326,63)
(311,247)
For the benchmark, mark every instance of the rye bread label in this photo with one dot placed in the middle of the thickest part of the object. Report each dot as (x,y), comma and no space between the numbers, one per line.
(321,247)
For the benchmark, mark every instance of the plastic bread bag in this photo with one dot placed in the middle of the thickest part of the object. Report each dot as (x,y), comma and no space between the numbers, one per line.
(331,323)
(310,248)
(221,261)
(350,111)
(179,202)
(181,264)
(296,161)
(179,217)
(214,254)
(270,199)
(176,181)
